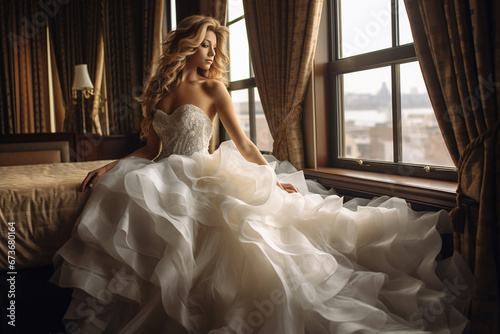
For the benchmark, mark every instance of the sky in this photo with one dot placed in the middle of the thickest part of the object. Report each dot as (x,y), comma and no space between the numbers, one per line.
(366,27)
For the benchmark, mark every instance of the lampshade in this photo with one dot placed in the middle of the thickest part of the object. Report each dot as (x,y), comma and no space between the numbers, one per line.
(82,80)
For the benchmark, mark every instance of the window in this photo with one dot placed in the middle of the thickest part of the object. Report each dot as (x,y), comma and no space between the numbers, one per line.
(382,113)
(242,84)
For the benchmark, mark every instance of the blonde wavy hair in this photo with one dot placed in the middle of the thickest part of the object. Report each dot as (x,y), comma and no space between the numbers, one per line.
(167,69)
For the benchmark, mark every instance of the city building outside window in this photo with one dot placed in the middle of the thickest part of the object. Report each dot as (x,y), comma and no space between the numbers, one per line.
(380,108)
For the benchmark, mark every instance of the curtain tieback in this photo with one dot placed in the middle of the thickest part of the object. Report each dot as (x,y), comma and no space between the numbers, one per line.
(458,214)
(294,115)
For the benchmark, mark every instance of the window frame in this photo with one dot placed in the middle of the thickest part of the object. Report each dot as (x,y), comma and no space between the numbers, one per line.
(337,67)
(248,84)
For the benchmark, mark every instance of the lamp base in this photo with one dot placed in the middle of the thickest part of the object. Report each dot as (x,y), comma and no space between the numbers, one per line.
(80,118)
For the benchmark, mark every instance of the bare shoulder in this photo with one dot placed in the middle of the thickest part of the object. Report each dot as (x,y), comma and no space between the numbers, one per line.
(217,91)
(212,86)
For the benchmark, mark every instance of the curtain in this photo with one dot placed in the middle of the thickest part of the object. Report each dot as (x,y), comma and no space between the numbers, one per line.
(458,47)
(124,34)
(24,95)
(131,39)
(282,39)
(59,105)
(75,37)
(214,8)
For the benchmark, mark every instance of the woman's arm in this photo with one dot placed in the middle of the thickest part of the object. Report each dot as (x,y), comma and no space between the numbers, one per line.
(149,151)
(227,115)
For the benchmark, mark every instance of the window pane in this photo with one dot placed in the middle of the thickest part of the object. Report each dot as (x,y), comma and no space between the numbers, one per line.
(422,141)
(365,26)
(234,9)
(240,102)
(239,52)
(368,115)
(405,36)
(264,138)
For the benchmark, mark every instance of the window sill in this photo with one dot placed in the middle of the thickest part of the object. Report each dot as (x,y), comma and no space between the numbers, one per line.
(351,183)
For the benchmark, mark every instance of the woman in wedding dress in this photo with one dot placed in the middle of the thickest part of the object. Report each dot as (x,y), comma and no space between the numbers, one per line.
(176,240)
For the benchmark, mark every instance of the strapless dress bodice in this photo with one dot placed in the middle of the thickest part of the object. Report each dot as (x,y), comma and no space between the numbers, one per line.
(185,131)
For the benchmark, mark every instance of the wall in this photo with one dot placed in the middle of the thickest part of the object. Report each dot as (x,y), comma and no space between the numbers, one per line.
(315,124)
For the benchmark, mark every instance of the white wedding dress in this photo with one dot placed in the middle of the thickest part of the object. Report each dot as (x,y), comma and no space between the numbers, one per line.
(207,243)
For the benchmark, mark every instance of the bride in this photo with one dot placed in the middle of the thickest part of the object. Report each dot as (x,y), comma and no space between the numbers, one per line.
(176,240)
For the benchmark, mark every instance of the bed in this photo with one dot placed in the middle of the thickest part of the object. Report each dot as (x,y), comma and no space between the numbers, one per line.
(42,203)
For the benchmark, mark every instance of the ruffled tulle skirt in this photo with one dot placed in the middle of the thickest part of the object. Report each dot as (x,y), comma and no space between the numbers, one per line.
(209,243)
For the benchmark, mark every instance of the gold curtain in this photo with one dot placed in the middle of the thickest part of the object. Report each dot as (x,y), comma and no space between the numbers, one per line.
(131,40)
(458,45)
(214,8)
(75,30)
(24,94)
(282,38)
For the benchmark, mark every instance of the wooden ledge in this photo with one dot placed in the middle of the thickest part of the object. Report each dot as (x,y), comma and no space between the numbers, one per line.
(351,183)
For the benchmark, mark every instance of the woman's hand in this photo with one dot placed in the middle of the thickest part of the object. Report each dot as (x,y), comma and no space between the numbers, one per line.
(94,175)
(150,151)
(288,187)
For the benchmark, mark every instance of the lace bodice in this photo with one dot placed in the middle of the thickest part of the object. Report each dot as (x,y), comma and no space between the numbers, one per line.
(185,131)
